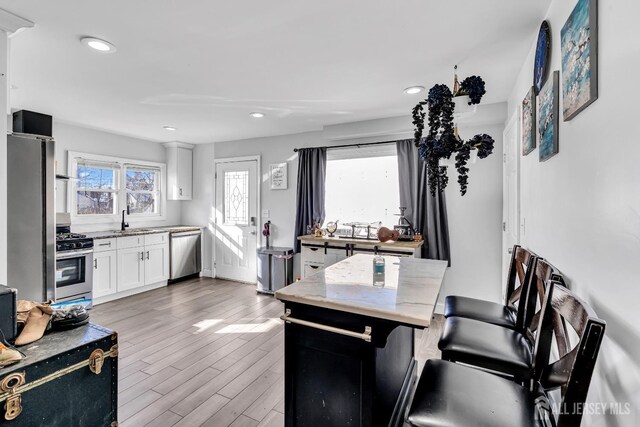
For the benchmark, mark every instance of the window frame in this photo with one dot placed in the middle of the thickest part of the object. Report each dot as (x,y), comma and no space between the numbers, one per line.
(73,158)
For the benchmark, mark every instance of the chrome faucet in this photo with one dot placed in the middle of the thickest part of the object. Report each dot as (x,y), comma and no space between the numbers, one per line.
(124,225)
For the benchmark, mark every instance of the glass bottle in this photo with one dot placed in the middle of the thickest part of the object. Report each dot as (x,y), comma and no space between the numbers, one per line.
(378,270)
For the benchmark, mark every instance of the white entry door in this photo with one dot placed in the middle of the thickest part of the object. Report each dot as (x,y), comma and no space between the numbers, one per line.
(236,233)
(511,193)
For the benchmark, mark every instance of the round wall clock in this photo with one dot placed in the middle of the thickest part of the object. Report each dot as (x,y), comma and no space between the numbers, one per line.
(543,50)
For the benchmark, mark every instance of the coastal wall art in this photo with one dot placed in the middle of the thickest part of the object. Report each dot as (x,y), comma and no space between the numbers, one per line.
(579,40)
(548,123)
(529,122)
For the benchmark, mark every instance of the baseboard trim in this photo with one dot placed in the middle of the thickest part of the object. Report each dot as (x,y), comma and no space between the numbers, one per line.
(128,293)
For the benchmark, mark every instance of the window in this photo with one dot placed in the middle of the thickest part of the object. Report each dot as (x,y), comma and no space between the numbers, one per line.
(362,185)
(105,186)
(97,189)
(142,189)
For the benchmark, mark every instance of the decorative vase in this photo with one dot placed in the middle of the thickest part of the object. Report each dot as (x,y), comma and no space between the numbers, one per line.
(473,158)
(462,107)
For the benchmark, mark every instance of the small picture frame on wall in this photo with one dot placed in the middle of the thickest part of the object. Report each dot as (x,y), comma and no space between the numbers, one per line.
(548,123)
(278,176)
(529,122)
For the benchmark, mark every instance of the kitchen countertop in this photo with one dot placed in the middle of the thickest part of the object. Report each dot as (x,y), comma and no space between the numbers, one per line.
(409,295)
(139,231)
(361,242)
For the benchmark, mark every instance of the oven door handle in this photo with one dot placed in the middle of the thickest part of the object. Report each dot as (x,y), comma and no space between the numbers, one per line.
(73,254)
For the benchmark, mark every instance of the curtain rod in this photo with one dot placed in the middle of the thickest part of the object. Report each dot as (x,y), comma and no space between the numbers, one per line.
(295,150)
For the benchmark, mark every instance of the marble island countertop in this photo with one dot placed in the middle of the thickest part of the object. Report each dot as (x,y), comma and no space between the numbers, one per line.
(409,295)
(310,239)
(143,230)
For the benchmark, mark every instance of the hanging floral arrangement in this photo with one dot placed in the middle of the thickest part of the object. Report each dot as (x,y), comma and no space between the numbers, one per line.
(442,139)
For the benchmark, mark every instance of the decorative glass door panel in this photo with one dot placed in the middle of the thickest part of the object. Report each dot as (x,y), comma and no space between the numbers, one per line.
(236,198)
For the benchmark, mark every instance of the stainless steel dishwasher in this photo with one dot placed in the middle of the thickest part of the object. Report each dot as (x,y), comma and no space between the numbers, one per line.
(186,256)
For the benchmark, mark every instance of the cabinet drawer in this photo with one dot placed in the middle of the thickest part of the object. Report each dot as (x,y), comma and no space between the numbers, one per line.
(156,239)
(311,268)
(313,254)
(130,242)
(102,245)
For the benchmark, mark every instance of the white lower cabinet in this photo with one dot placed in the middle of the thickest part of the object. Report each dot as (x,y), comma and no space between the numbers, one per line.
(130,268)
(134,265)
(104,273)
(156,264)
(333,256)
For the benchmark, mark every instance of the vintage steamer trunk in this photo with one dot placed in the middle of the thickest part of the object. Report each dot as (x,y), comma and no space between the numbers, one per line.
(68,379)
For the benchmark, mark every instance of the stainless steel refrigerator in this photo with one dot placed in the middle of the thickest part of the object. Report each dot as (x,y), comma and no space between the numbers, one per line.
(31,216)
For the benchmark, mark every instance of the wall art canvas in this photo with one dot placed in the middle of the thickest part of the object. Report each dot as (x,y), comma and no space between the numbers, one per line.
(541,60)
(580,59)
(548,123)
(529,122)
(278,172)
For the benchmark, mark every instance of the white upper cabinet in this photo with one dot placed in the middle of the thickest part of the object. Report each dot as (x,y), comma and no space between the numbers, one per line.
(179,171)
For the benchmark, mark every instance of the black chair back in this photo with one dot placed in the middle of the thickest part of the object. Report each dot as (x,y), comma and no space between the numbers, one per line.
(572,371)
(520,271)
(529,312)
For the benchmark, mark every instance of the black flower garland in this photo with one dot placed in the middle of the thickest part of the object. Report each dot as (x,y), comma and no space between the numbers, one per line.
(483,143)
(473,87)
(441,142)
(464,152)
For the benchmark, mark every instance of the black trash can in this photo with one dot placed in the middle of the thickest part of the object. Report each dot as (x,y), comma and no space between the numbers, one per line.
(275,269)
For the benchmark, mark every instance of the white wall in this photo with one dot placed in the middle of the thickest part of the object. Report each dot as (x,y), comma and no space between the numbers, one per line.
(475,225)
(199,210)
(74,138)
(4,60)
(476,267)
(582,207)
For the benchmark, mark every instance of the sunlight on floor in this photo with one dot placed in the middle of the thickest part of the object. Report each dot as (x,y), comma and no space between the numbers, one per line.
(256,328)
(206,324)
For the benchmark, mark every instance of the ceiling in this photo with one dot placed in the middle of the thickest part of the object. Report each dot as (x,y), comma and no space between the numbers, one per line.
(202,66)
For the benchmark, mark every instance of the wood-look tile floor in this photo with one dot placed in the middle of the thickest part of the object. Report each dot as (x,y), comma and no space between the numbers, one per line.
(205,352)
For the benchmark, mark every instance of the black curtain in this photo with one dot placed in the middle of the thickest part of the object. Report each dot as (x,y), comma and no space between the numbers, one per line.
(312,170)
(427,213)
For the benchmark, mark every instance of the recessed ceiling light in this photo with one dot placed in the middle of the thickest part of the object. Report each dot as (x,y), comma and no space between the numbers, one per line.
(169,128)
(99,45)
(256,115)
(413,90)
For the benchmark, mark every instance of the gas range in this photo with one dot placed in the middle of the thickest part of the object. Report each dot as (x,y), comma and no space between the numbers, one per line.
(67,241)
(74,265)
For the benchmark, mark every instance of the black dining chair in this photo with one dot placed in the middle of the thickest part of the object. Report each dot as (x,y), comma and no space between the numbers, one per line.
(505,351)
(505,315)
(449,394)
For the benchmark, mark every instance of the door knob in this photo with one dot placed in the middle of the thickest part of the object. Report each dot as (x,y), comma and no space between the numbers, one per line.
(253,233)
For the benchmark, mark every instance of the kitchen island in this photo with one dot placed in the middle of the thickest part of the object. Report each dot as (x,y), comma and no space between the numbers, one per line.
(349,346)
